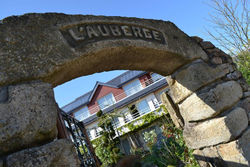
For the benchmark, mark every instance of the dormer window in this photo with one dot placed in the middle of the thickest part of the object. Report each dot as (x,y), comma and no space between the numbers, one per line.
(106,101)
(82,114)
(132,87)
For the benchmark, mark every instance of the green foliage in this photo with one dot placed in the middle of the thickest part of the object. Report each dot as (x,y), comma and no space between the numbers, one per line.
(83,149)
(167,150)
(106,145)
(144,121)
(230,28)
(170,152)
(139,152)
(150,137)
(243,63)
(99,113)
(170,148)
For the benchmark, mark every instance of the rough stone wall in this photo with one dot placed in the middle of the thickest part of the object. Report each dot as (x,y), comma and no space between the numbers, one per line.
(210,101)
(28,116)
(28,122)
(59,153)
(33,47)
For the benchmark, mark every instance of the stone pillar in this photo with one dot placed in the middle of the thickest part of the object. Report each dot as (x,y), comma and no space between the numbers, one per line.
(28,128)
(210,100)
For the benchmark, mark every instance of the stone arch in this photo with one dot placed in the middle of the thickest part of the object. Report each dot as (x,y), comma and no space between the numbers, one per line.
(40,51)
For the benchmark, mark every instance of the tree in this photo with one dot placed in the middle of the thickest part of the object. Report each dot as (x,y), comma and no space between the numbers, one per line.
(230,28)
(230,25)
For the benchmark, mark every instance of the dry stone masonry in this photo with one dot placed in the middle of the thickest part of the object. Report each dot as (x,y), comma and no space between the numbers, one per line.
(208,97)
(200,106)
(211,104)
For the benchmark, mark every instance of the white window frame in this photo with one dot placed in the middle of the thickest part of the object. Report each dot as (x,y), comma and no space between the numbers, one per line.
(129,90)
(105,98)
(84,110)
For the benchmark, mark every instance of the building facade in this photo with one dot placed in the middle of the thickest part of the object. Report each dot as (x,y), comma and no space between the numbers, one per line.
(132,89)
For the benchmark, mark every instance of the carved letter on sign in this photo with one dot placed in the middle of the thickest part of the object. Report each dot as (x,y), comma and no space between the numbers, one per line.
(81,34)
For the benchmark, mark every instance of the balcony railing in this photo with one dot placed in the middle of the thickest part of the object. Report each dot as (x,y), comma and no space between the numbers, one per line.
(127,120)
(123,95)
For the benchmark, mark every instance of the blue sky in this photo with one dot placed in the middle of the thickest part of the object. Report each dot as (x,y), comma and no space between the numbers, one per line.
(189,15)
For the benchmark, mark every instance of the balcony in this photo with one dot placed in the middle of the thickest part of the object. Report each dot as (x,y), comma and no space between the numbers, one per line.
(135,119)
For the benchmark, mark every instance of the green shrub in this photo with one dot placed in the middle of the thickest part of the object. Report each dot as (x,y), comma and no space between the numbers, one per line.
(243,64)
(168,149)
(99,113)
(106,146)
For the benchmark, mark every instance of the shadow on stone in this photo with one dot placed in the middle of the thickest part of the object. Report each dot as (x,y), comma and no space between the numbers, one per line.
(216,162)
(3,94)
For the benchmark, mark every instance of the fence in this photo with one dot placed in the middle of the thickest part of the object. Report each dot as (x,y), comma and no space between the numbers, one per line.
(77,133)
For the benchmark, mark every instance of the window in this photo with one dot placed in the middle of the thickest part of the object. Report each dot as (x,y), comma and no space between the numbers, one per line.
(82,114)
(156,77)
(132,87)
(143,107)
(106,101)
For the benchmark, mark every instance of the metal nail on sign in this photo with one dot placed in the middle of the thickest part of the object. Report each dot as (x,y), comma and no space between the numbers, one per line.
(85,33)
